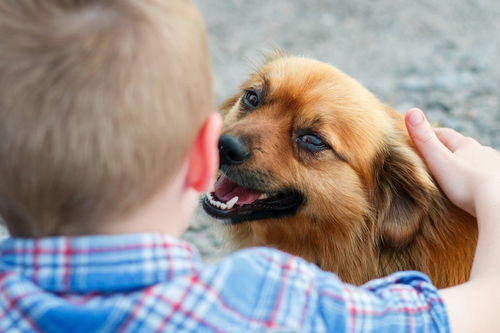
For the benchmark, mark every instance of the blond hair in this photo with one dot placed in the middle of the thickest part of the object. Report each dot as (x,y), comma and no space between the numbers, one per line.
(99,103)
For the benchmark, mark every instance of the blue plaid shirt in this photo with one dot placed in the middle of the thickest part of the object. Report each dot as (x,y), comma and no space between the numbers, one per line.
(157,283)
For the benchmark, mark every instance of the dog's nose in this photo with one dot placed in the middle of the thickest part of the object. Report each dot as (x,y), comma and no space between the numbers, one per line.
(232,151)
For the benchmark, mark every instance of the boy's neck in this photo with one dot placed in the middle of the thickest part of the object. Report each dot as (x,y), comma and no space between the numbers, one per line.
(168,212)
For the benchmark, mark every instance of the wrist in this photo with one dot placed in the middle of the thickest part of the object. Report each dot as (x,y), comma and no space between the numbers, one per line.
(487,198)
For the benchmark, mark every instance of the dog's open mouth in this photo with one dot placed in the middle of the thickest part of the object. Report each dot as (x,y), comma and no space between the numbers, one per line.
(232,201)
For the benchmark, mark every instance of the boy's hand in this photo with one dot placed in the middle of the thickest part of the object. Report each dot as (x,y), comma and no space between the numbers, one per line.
(467,172)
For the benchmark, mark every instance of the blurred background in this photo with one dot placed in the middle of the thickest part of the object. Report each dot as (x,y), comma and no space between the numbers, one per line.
(442,56)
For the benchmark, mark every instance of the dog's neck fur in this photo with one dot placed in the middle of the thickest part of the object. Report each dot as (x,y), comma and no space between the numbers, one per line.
(443,247)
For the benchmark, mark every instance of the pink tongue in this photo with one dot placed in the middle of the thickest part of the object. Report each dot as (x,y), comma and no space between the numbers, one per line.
(225,190)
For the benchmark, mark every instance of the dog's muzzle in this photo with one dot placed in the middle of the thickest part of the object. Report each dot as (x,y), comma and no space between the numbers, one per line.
(232,150)
(241,195)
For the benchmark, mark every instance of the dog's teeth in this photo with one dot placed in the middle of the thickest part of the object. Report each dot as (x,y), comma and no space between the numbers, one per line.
(218,204)
(263,196)
(231,202)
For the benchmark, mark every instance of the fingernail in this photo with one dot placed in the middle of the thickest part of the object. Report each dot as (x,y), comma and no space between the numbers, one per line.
(416,117)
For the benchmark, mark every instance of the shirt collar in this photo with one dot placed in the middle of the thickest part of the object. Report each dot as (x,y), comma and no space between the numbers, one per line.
(98,263)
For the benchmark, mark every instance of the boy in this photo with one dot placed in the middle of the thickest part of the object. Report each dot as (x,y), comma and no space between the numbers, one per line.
(107,138)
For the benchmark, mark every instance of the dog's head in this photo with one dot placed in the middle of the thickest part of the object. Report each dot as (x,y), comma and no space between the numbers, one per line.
(304,140)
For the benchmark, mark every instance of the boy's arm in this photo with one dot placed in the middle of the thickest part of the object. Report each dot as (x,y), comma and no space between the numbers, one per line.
(475,305)
(469,174)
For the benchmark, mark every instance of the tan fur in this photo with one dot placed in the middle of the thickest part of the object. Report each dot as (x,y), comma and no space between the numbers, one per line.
(374,211)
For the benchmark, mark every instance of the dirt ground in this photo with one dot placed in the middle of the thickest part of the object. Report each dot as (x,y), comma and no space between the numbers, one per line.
(442,56)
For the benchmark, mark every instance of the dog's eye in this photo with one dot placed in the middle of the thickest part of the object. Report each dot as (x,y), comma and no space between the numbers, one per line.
(251,99)
(311,142)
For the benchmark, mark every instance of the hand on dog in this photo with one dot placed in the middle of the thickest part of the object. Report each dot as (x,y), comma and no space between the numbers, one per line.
(467,172)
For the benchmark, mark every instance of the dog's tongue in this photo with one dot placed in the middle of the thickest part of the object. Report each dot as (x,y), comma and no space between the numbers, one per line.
(225,190)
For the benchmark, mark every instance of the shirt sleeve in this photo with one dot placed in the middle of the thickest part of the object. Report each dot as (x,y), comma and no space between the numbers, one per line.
(276,291)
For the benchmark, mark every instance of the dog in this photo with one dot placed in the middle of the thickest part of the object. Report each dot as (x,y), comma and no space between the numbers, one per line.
(313,164)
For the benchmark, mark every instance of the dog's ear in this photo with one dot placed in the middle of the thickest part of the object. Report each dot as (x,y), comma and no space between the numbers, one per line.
(405,196)
(274,55)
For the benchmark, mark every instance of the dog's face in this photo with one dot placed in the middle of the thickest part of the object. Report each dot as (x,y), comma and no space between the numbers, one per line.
(304,140)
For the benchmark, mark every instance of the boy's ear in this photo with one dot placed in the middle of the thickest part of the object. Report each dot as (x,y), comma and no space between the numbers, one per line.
(204,156)
(405,196)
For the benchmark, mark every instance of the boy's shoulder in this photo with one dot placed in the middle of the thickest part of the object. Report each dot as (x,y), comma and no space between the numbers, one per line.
(267,262)
(267,272)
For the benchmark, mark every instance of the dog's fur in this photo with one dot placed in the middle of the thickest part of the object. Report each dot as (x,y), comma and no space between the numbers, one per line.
(370,206)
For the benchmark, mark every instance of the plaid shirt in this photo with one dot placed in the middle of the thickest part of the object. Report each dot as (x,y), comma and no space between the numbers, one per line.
(157,283)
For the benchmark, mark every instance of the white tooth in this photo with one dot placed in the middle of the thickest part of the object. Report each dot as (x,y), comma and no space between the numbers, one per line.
(231,202)
(223,206)
(264,196)
(209,195)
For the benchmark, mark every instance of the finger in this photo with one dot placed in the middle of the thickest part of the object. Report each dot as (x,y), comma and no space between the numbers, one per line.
(436,154)
(450,138)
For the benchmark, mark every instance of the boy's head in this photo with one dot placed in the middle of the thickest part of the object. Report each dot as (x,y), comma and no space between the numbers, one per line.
(100,103)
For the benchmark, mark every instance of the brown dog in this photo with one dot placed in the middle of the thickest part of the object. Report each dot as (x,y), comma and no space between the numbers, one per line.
(314,164)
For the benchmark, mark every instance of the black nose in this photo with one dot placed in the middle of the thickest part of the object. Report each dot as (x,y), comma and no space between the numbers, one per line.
(232,151)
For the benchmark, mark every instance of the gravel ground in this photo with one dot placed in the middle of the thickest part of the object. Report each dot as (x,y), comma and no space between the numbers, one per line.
(442,56)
